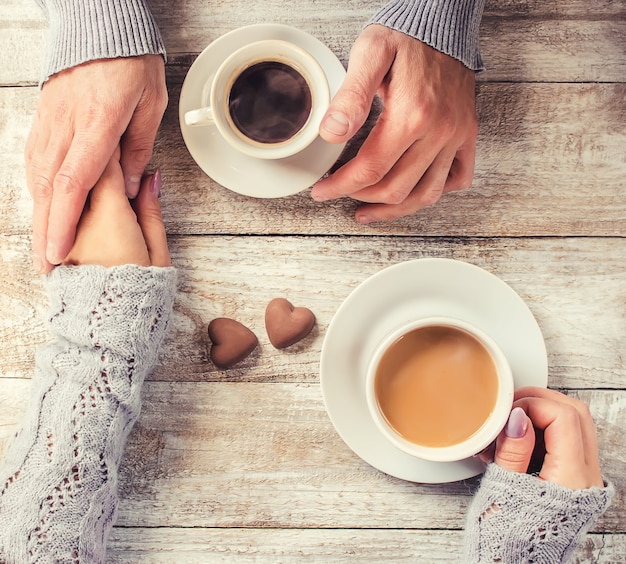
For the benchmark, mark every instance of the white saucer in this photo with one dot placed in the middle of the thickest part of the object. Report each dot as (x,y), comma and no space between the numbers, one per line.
(240,173)
(394,296)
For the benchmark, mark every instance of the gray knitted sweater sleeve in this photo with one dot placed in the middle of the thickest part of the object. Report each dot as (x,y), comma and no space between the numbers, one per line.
(85,30)
(450,26)
(58,479)
(519,519)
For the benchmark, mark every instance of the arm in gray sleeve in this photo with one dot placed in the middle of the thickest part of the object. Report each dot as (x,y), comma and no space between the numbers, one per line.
(450,26)
(85,30)
(58,479)
(520,518)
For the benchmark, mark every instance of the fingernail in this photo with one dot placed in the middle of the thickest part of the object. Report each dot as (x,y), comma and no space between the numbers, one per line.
(132,186)
(336,123)
(38,265)
(517,424)
(155,185)
(364,219)
(317,194)
(52,255)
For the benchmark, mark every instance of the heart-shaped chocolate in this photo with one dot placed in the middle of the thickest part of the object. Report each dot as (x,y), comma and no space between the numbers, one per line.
(232,342)
(287,324)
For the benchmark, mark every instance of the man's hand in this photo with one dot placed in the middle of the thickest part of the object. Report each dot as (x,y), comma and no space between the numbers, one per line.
(424,142)
(83,114)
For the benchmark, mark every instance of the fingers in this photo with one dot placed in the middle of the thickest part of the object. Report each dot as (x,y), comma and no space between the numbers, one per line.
(369,62)
(383,151)
(428,117)
(571,452)
(514,446)
(149,217)
(582,414)
(82,114)
(42,160)
(427,192)
(138,140)
(42,195)
(447,172)
(86,159)
(461,173)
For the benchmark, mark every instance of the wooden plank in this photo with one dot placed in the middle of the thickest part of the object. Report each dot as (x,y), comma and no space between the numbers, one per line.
(550,162)
(574,287)
(557,10)
(219,546)
(537,151)
(232,455)
(23,33)
(567,40)
(553,51)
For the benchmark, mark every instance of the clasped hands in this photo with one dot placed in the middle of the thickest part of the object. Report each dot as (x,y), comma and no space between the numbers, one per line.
(114,230)
(422,145)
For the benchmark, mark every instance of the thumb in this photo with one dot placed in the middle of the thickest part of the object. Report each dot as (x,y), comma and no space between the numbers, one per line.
(369,63)
(514,446)
(148,210)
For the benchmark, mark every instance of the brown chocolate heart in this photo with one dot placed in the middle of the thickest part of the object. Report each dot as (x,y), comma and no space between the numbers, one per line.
(232,342)
(287,324)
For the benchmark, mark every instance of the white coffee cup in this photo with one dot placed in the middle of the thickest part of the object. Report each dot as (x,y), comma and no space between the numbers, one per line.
(465,346)
(272,63)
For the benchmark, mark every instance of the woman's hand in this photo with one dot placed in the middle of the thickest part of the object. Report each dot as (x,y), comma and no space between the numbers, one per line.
(569,450)
(112,231)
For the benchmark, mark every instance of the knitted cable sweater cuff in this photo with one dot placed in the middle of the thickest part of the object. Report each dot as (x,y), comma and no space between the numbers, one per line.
(450,26)
(58,480)
(86,30)
(517,517)
(124,310)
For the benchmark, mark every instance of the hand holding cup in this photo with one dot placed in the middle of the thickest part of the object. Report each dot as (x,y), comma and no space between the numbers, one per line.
(569,451)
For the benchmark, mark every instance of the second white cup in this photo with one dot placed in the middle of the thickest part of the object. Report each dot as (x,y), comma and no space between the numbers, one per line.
(439,389)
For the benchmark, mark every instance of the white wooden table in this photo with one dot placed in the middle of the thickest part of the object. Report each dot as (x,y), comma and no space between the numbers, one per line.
(244,465)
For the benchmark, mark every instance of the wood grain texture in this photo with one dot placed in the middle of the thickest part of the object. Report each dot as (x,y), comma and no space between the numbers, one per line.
(574,287)
(265,455)
(244,465)
(223,546)
(550,162)
(560,41)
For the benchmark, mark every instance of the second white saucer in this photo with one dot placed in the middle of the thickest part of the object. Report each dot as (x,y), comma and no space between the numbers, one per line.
(393,297)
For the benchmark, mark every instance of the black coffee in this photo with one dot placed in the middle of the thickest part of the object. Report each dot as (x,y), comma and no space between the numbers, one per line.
(270,102)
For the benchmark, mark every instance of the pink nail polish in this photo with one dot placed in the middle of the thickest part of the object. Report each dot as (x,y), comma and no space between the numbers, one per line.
(517,424)
(155,185)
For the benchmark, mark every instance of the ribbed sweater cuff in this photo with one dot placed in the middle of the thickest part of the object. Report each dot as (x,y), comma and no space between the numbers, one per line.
(85,30)
(450,26)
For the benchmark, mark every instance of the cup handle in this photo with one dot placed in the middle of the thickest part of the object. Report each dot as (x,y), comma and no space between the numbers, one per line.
(201,116)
